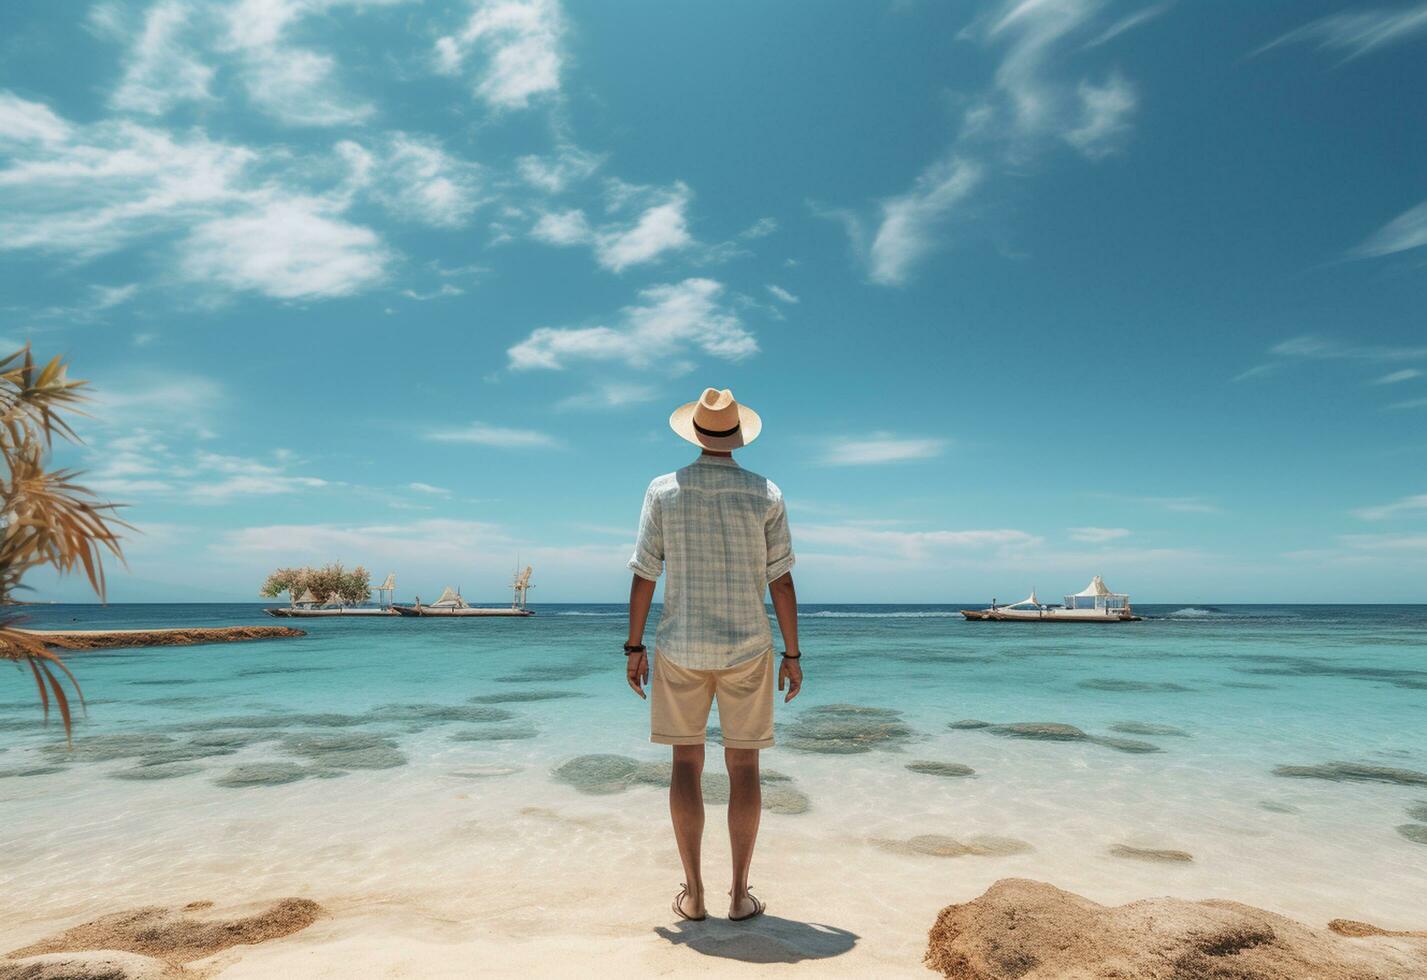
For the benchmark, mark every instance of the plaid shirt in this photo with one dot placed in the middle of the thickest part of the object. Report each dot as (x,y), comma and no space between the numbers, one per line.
(723,533)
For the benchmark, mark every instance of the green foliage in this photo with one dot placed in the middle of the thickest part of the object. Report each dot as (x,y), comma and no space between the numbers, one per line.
(46,517)
(330,583)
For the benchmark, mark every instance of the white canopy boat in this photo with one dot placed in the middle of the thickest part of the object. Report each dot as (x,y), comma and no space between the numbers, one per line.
(1093,604)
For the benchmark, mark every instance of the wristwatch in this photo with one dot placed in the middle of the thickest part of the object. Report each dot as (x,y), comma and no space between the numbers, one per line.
(635,648)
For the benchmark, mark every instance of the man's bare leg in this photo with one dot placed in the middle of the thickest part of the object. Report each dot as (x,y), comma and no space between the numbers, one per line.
(686,808)
(745,806)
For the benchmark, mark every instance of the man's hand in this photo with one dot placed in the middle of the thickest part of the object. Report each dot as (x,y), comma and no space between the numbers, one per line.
(637,672)
(790,671)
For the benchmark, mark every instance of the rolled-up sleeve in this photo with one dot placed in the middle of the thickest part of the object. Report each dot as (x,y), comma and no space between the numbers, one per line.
(648,558)
(780,541)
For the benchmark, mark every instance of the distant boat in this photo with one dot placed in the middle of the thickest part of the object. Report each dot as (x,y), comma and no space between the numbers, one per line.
(452,604)
(1093,604)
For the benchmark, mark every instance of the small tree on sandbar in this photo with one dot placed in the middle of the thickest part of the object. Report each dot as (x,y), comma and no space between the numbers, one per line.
(46,517)
(330,583)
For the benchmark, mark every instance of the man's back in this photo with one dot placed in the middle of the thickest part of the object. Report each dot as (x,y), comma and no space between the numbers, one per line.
(722,533)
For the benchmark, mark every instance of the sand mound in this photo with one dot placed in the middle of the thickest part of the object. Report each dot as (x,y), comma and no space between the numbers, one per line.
(100,965)
(167,637)
(1034,931)
(177,935)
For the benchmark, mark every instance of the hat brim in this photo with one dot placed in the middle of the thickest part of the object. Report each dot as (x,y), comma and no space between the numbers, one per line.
(749,425)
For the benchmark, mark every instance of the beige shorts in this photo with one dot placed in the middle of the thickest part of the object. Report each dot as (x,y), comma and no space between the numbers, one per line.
(680,698)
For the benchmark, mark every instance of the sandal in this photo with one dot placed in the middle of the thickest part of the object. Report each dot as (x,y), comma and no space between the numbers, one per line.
(758,909)
(679,905)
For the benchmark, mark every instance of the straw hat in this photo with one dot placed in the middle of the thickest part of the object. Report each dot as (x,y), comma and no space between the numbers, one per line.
(716,421)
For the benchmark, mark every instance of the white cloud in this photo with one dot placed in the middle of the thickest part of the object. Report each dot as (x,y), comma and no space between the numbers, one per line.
(289,249)
(1104,122)
(297,86)
(781,294)
(1130,22)
(1407,505)
(23,121)
(1028,107)
(418,180)
(1409,404)
(878,448)
(1359,33)
(481,434)
(761,228)
(1391,543)
(669,321)
(1324,349)
(428,488)
(1395,377)
(553,174)
(1177,505)
(446,291)
(1407,231)
(609,395)
(910,545)
(907,230)
(520,42)
(1098,535)
(661,226)
(161,67)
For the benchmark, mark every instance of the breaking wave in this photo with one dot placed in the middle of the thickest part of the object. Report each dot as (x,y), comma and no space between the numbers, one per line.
(1196,612)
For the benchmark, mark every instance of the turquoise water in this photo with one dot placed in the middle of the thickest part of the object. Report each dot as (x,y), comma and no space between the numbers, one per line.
(385,716)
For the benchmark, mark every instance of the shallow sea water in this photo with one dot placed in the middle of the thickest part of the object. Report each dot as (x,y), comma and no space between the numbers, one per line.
(396,761)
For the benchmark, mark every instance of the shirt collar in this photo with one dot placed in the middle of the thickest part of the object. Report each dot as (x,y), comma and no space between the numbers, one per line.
(716,461)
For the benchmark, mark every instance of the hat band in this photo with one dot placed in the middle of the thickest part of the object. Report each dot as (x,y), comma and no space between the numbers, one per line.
(712,434)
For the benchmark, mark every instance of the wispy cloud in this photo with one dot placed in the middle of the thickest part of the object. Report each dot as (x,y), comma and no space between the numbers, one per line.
(290,249)
(781,294)
(161,69)
(761,228)
(428,489)
(1396,377)
(660,226)
(1177,505)
(609,395)
(415,179)
(1355,34)
(557,171)
(1408,404)
(1405,506)
(879,448)
(669,321)
(1323,348)
(518,44)
(1030,106)
(911,545)
(1129,22)
(907,228)
(1407,231)
(1098,535)
(481,434)
(446,291)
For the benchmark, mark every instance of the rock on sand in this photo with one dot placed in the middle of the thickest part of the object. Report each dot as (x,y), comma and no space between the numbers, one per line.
(1029,930)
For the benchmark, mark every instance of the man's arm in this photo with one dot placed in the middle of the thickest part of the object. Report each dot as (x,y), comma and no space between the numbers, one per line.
(641,595)
(785,605)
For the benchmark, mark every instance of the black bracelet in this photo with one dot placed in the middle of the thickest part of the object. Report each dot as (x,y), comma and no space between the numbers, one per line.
(635,648)
(789,656)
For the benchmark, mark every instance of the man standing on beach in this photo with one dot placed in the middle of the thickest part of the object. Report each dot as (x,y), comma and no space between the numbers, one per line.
(722,533)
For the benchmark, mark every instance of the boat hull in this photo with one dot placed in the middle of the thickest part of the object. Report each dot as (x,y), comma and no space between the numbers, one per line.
(470,612)
(1048,616)
(285,612)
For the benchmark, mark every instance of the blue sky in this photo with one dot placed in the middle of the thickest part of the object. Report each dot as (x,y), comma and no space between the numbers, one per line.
(1024,292)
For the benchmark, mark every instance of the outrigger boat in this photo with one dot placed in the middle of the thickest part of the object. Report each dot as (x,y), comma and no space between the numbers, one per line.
(308,605)
(452,604)
(1093,604)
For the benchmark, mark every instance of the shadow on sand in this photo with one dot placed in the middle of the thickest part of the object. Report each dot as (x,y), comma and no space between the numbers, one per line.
(766,939)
